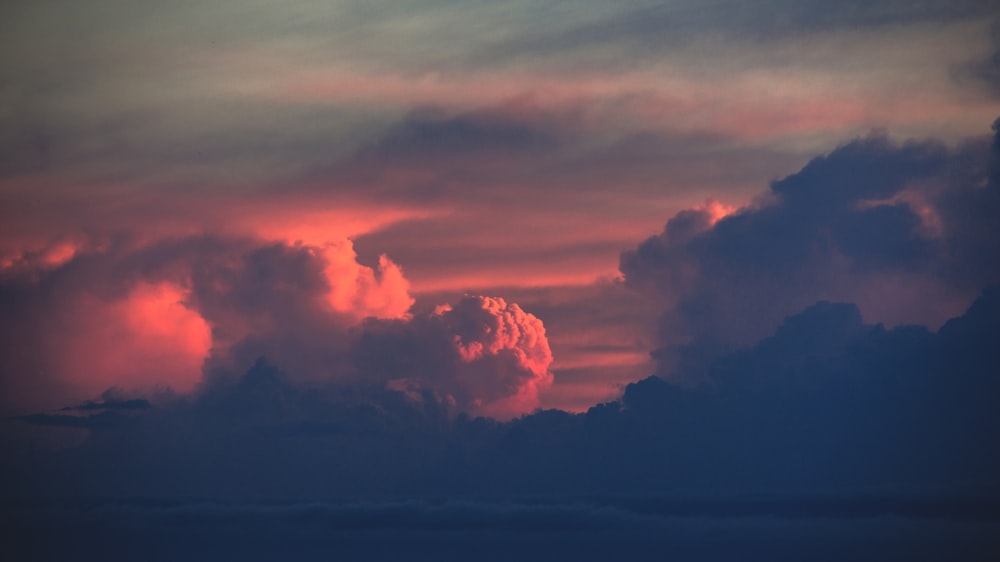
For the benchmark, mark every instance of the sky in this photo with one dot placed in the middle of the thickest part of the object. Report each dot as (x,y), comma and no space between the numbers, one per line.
(706,252)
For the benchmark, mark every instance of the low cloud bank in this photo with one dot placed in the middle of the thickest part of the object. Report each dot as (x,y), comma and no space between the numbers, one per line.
(827,402)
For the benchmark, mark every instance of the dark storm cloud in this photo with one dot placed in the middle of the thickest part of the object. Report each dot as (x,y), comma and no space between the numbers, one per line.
(872,222)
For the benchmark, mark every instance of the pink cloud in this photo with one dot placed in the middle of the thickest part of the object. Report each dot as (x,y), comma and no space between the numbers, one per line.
(162,315)
(146,338)
(482,356)
(505,355)
(156,314)
(362,291)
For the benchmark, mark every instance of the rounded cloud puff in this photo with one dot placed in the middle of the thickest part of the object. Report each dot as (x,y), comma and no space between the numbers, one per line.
(354,288)
(504,353)
(481,356)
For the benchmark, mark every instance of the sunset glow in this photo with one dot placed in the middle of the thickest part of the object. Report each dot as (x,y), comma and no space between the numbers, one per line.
(524,280)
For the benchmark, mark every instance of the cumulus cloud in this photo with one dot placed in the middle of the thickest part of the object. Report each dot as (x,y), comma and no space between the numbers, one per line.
(178,313)
(908,231)
(73,332)
(482,355)
(158,314)
(363,291)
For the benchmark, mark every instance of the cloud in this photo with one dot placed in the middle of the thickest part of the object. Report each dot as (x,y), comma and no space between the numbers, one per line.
(826,403)
(482,355)
(181,313)
(904,230)
(70,340)
(830,398)
(145,315)
(600,335)
(830,436)
(362,291)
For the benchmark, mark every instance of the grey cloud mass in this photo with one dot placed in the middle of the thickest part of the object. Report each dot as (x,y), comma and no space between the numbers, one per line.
(907,230)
